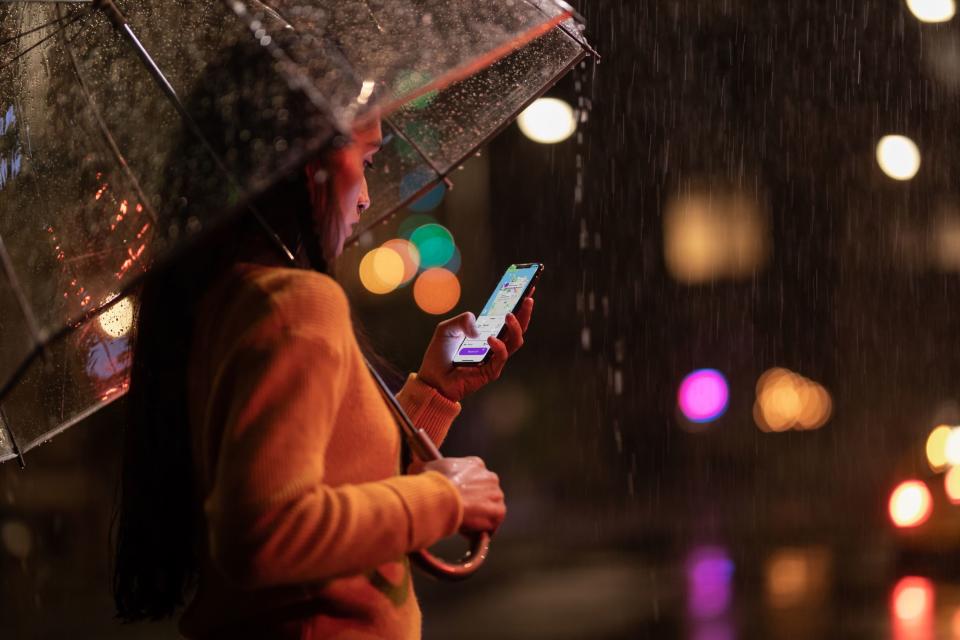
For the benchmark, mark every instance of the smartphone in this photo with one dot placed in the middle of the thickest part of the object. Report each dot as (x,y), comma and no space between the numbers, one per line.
(514,287)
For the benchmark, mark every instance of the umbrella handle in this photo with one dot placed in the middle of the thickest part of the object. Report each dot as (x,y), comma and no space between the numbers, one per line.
(422,446)
(462,568)
(466,566)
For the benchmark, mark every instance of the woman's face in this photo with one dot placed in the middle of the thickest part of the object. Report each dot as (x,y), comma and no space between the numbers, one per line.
(338,212)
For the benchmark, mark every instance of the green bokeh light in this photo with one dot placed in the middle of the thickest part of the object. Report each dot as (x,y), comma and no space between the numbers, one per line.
(435,244)
(410,81)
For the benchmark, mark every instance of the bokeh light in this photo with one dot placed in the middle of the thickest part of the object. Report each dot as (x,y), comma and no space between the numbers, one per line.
(709,582)
(415,181)
(17,538)
(932,10)
(409,254)
(411,81)
(796,576)
(381,270)
(712,235)
(936,447)
(412,223)
(117,321)
(898,157)
(912,609)
(787,400)
(434,243)
(430,200)
(951,449)
(547,121)
(436,291)
(951,485)
(703,395)
(453,264)
(910,504)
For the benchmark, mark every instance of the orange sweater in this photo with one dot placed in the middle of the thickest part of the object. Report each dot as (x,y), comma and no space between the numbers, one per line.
(306,518)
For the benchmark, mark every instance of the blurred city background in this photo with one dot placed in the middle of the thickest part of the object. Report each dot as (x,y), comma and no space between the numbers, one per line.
(734,415)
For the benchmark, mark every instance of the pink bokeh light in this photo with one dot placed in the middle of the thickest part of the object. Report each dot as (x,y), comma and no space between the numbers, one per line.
(703,395)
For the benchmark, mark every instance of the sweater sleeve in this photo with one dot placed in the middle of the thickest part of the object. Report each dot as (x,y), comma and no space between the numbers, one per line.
(428,408)
(271,519)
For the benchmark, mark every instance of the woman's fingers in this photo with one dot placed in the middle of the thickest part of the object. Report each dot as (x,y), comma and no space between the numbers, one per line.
(525,312)
(498,358)
(514,334)
(463,324)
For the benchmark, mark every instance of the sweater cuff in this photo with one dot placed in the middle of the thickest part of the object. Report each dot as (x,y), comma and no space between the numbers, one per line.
(428,408)
(433,506)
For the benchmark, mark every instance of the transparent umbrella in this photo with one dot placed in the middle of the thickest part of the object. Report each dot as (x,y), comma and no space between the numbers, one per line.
(101,145)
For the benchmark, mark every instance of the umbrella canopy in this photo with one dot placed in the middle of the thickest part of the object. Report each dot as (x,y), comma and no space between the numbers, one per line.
(109,165)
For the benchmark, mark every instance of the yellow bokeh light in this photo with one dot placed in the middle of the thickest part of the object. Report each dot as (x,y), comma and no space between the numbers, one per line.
(937,447)
(409,254)
(951,449)
(910,504)
(951,484)
(117,321)
(898,157)
(713,235)
(932,10)
(436,291)
(547,121)
(381,270)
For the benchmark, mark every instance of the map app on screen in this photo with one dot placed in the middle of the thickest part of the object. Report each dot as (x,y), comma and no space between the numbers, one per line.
(503,301)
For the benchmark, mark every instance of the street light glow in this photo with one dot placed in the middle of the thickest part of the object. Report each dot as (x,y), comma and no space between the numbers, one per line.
(937,447)
(932,10)
(951,449)
(898,157)
(117,321)
(547,121)
(910,504)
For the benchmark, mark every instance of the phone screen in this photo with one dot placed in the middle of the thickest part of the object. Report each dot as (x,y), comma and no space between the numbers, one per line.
(504,300)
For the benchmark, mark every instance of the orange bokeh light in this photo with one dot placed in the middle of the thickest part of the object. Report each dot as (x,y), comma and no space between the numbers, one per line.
(436,291)
(410,255)
(787,400)
(912,609)
(910,504)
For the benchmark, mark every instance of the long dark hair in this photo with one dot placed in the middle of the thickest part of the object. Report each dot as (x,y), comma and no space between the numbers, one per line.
(239,105)
(156,524)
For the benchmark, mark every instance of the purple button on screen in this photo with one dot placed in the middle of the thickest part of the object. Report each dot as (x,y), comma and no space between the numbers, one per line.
(473,351)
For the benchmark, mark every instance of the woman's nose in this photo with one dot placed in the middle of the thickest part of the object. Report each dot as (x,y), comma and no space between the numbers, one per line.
(363,202)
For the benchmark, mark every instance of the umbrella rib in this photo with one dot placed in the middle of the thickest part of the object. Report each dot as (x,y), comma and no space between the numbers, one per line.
(6,264)
(118,20)
(573,13)
(108,137)
(34,30)
(403,136)
(5,422)
(69,23)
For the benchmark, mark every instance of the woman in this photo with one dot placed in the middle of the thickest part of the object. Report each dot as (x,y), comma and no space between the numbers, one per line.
(283,503)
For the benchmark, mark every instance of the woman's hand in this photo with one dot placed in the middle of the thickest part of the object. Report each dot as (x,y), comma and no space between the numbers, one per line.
(483,505)
(437,369)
